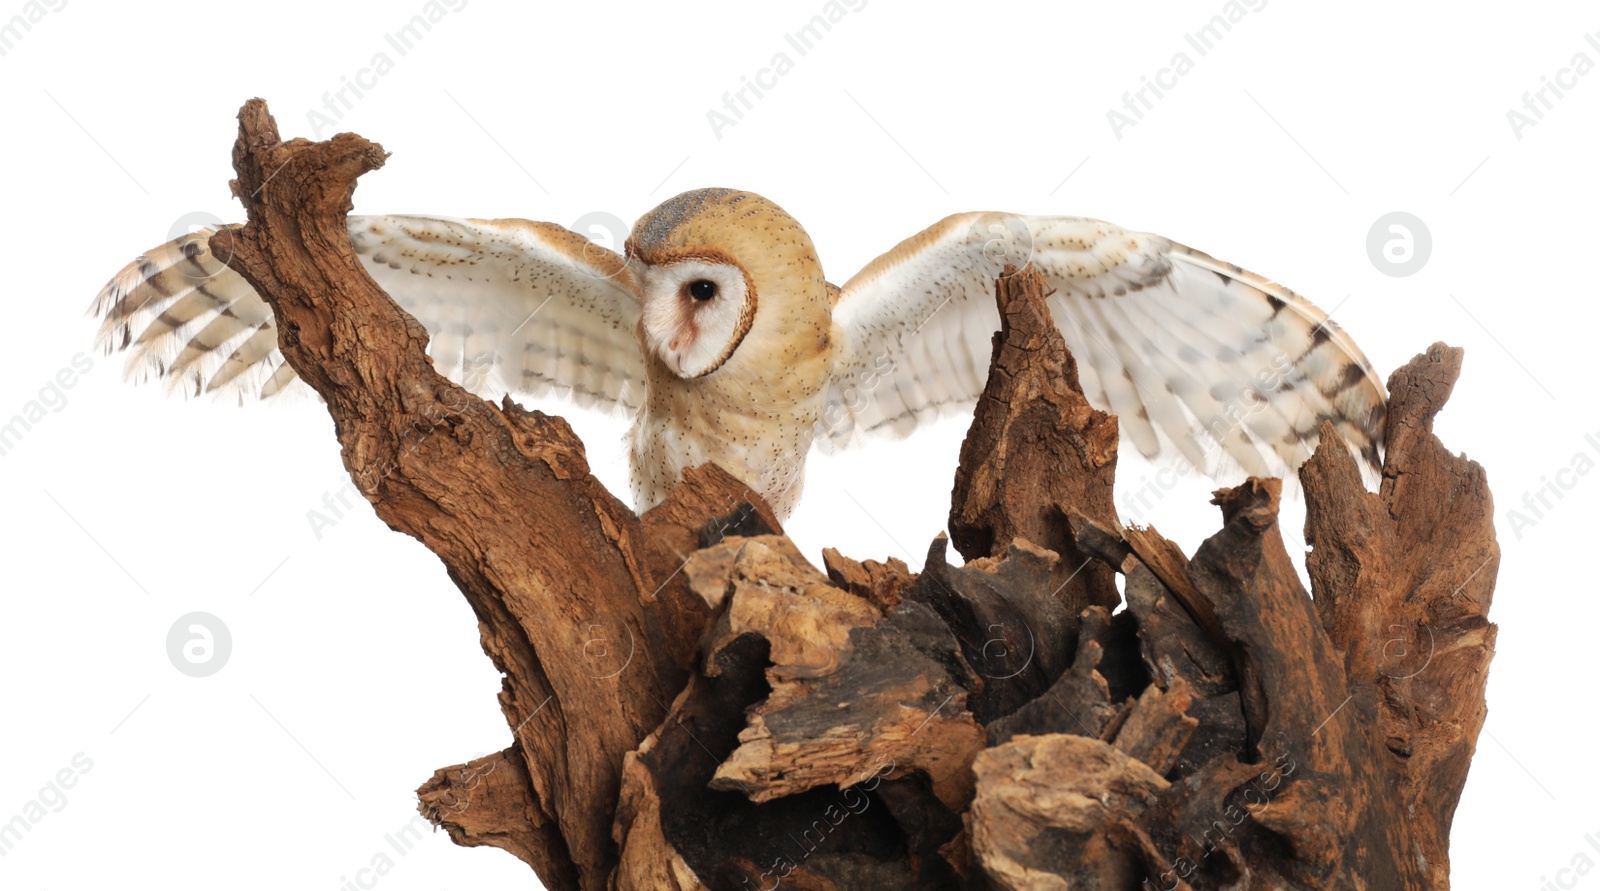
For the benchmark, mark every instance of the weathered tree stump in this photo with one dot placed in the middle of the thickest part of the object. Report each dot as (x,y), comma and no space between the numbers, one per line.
(693,705)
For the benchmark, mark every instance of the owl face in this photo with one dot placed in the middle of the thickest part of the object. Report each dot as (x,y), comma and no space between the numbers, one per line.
(702,261)
(697,309)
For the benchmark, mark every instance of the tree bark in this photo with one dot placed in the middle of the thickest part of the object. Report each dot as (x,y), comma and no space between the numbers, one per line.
(693,705)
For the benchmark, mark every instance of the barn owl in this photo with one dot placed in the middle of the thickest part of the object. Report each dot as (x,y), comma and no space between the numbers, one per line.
(718,332)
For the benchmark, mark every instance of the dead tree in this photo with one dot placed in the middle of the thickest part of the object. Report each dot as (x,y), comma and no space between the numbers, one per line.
(694,705)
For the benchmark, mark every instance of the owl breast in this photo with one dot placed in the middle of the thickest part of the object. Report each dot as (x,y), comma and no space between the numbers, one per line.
(762,445)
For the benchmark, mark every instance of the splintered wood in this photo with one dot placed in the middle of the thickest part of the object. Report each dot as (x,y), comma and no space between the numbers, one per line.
(691,704)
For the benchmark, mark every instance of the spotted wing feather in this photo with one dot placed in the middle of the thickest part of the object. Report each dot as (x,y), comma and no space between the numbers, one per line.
(511,306)
(1198,359)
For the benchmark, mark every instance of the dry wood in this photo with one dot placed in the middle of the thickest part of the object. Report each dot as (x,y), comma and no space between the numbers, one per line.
(693,705)
(437,463)
(1031,422)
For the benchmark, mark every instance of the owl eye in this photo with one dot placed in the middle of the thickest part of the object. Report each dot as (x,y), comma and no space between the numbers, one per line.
(702,289)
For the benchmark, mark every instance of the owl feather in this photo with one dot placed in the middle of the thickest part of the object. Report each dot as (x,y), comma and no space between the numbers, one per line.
(719,333)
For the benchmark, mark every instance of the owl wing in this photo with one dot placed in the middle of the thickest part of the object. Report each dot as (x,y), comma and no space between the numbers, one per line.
(1194,356)
(510,306)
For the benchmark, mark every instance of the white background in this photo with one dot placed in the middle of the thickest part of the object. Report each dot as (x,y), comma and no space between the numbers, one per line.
(356,670)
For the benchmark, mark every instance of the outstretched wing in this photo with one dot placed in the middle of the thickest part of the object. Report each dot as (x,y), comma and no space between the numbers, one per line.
(511,306)
(1196,357)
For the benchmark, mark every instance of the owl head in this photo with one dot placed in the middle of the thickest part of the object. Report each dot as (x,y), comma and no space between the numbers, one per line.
(722,273)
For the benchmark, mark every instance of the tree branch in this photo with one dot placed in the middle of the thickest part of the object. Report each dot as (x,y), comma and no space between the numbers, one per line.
(559,572)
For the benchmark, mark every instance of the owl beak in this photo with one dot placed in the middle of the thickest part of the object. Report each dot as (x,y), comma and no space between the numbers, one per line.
(677,351)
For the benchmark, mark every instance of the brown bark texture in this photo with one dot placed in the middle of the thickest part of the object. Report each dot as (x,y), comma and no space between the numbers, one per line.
(693,704)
